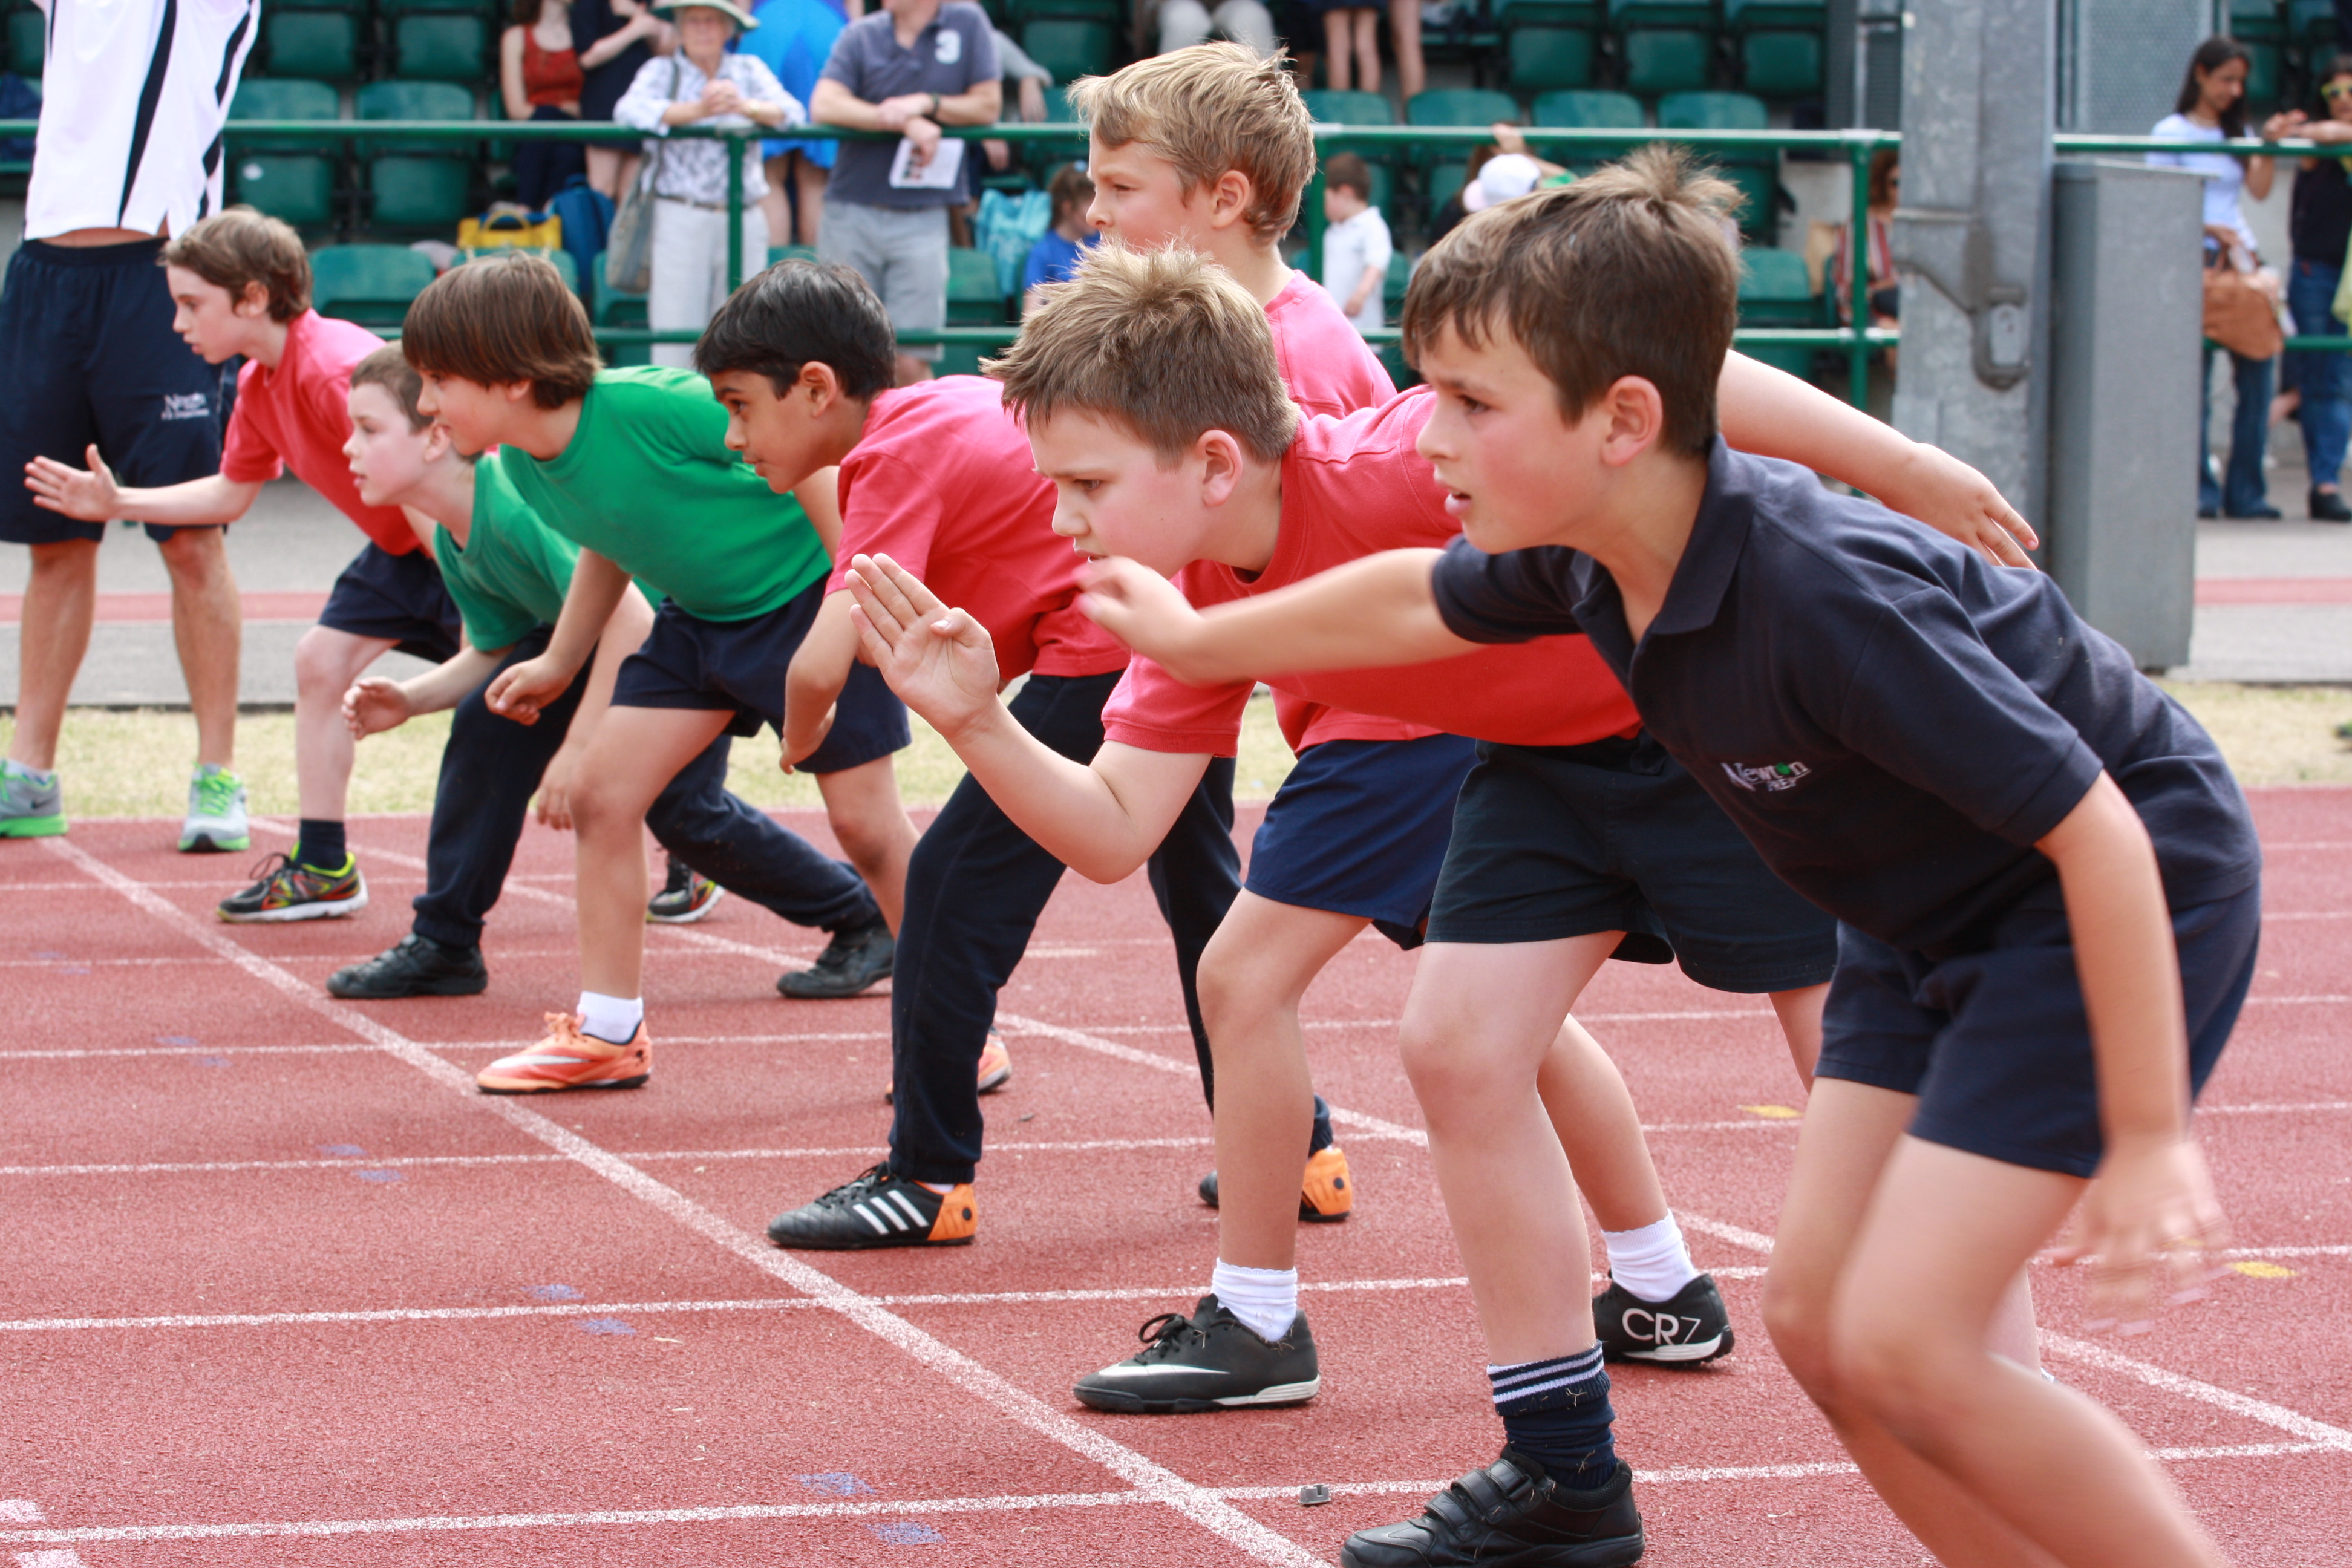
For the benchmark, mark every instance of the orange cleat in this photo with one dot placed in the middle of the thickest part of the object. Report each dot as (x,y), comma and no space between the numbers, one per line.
(569,1059)
(995,1066)
(1326,1193)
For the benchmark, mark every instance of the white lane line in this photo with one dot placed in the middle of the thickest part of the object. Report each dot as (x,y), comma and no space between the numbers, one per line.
(1151,1480)
(341,1050)
(2308,1107)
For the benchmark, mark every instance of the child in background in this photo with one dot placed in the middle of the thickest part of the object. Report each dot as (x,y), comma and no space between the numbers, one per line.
(1356,246)
(1058,248)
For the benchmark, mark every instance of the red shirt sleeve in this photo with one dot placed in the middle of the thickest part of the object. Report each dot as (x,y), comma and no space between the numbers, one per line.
(249,457)
(887,509)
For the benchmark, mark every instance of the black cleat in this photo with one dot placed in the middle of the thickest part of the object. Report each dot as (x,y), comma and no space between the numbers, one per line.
(851,961)
(1510,1515)
(1211,1361)
(879,1209)
(417,966)
(1688,1330)
(1326,1195)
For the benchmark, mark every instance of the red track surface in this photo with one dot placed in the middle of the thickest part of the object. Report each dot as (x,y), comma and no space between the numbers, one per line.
(279,1289)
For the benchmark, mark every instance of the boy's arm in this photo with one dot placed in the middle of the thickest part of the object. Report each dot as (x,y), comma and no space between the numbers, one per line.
(631,620)
(2153,1195)
(1101,820)
(597,588)
(813,680)
(376,703)
(1370,612)
(1772,412)
(92,496)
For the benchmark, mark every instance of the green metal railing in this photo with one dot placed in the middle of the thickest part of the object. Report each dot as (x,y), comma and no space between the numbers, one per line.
(1855,341)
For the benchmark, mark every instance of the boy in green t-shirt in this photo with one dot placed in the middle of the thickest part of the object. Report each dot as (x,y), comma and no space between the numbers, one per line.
(508,573)
(633,466)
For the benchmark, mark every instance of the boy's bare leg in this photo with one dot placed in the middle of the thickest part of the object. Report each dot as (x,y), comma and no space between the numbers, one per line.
(207,627)
(60,600)
(1478,1028)
(863,807)
(632,757)
(1253,975)
(1850,1131)
(1801,1024)
(326,662)
(1593,1116)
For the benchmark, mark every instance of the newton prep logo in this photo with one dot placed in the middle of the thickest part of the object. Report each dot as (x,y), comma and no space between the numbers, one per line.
(186,405)
(1770,777)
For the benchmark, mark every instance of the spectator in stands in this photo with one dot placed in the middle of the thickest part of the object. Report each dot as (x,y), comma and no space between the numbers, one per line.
(1886,294)
(2321,224)
(796,38)
(1055,254)
(1356,245)
(539,78)
(702,84)
(1183,23)
(1404,33)
(1351,34)
(913,67)
(1029,81)
(2213,107)
(1523,173)
(624,35)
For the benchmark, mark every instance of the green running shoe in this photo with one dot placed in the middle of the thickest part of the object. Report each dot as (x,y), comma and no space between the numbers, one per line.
(215,823)
(29,808)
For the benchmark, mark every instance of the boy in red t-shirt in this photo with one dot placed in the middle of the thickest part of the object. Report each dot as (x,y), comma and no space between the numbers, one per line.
(243,285)
(1191,462)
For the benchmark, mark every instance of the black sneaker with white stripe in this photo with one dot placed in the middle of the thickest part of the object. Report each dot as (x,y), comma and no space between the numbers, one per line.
(1210,1360)
(1690,1328)
(879,1209)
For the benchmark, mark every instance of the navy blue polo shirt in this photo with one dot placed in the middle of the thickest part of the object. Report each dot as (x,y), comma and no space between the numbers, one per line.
(956,49)
(1892,720)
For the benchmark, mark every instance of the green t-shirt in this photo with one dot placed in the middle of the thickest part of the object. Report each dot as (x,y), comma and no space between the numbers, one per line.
(512,571)
(648,483)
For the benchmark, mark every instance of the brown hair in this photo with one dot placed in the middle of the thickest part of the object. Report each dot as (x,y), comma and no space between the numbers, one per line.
(1164,340)
(239,245)
(1070,188)
(1884,164)
(1626,272)
(1209,108)
(1346,170)
(388,368)
(503,318)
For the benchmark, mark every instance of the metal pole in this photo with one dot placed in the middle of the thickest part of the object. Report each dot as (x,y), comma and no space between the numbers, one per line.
(1859,152)
(1313,202)
(735,149)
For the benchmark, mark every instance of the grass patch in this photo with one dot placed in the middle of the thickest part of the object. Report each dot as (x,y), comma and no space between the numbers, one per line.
(2273,734)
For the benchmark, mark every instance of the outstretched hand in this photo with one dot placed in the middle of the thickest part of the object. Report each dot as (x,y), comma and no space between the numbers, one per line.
(373,705)
(1953,499)
(2150,1219)
(89,497)
(938,660)
(1146,612)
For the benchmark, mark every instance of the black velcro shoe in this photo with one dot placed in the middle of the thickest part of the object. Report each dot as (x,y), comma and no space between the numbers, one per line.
(879,1209)
(1689,1330)
(1210,1360)
(2327,506)
(1510,1515)
(417,966)
(850,963)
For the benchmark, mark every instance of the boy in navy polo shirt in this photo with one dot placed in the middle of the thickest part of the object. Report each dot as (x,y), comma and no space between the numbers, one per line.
(1936,751)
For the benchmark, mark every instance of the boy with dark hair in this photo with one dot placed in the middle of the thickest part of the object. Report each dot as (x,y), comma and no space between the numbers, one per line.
(802,358)
(242,283)
(632,466)
(1065,238)
(2046,881)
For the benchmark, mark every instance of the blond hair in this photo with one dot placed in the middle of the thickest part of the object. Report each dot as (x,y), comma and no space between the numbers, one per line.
(1207,110)
(1164,341)
(240,246)
(1626,272)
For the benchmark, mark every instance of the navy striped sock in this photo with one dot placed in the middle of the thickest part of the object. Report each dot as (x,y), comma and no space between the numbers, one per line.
(1556,1413)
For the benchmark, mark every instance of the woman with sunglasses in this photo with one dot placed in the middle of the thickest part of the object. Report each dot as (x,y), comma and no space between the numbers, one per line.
(2320,222)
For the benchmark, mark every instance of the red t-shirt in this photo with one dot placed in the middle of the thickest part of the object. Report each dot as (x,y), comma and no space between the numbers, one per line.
(299,416)
(943,481)
(1351,487)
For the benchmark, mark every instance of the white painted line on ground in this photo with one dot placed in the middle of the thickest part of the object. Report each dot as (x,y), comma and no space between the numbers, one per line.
(342,1051)
(1152,1480)
(2307,1108)
(364,1163)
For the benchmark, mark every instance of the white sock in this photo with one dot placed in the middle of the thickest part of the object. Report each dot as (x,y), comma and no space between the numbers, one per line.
(1652,1262)
(44,777)
(1264,1298)
(613,1019)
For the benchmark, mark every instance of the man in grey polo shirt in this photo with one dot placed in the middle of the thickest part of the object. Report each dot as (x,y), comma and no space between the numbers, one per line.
(912,67)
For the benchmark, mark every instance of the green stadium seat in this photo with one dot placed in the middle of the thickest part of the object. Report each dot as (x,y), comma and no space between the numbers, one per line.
(1455,106)
(413,7)
(370,284)
(1446,182)
(1761,199)
(440,46)
(1636,16)
(1392,286)
(1811,15)
(791,253)
(1510,14)
(1712,112)
(1662,61)
(1784,65)
(1345,106)
(614,309)
(321,44)
(1042,158)
(1070,48)
(973,298)
(418,186)
(2264,75)
(1111,12)
(2311,23)
(1775,290)
(1757,174)
(2263,20)
(27,40)
(1588,109)
(1544,59)
(287,177)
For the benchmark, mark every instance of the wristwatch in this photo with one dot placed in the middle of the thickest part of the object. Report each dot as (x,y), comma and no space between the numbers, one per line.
(935,105)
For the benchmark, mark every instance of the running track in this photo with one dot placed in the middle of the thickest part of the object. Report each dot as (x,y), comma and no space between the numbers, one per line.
(277,1289)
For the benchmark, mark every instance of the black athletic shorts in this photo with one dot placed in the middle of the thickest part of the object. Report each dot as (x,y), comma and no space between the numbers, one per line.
(739,667)
(398,597)
(89,358)
(1359,828)
(1551,842)
(1996,1044)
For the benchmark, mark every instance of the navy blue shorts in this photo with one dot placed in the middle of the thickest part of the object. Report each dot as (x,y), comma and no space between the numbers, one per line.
(1995,1043)
(89,358)
(1551,842)
(739,667)
(1359,828)
(400,599)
